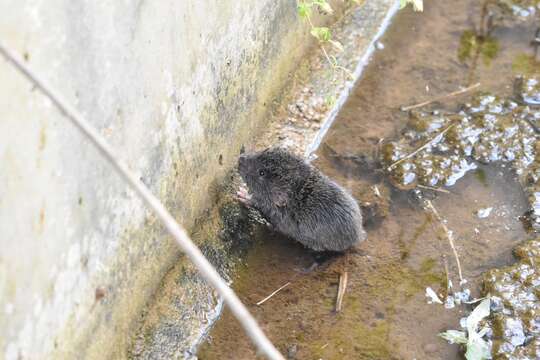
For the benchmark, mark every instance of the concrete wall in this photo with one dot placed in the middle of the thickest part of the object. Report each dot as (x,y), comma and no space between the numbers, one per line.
(176,87)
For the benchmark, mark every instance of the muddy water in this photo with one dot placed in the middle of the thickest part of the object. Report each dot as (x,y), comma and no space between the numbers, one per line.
(385,314)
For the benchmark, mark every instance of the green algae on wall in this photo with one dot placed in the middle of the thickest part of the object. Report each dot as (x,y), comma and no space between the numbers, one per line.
(184,307)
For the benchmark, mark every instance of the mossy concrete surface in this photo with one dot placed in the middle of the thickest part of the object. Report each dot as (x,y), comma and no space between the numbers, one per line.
(176,88)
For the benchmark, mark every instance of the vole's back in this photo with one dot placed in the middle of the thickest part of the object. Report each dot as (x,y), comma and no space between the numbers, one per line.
(323,216)
(299,201)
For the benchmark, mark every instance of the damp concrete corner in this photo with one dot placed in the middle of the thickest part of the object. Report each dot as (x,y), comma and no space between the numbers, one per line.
(176,89)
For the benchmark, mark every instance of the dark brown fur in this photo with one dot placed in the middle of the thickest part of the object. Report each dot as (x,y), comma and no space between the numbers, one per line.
(299,201)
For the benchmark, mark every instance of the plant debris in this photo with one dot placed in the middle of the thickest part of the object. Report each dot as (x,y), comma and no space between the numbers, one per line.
(515,294)
(476,347)
(273,293)
(437,149)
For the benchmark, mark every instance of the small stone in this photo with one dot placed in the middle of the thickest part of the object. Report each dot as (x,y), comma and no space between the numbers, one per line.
(484,213)
(291,351)
(430,348)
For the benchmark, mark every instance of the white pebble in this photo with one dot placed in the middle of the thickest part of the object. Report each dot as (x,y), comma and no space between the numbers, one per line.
(484,213)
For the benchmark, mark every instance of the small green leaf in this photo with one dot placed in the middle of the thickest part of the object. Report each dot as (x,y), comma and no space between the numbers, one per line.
(330,100)
(304,10)
(321,33)
(418,5)
(477,349)
(479,313)
(324,6)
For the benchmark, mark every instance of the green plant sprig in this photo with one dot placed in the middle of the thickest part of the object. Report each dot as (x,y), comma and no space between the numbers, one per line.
(322,33)
(418,5)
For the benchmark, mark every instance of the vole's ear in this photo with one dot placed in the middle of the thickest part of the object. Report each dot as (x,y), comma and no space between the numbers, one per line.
(280,198)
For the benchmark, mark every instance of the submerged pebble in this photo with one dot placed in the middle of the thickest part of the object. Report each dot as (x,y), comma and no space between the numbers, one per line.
(484,213)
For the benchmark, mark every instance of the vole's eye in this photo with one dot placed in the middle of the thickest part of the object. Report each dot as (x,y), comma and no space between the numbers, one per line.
(261,173)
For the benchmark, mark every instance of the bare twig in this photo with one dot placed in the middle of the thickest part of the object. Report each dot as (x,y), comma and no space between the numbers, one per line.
(331,61)
(427,144)
(449,236)
(474,301)
(442,97)
(433,189)
(343,277)
(176,230)
(272,294)
(335,65)
(444,261)
(378,148)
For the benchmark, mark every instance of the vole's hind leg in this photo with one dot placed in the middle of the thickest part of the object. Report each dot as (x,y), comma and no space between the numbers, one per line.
(321,259)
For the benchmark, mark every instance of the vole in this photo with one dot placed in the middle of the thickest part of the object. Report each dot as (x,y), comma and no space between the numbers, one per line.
(299,201)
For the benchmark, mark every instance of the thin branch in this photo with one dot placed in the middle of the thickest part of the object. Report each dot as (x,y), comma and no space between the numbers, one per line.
(272,294)
(335,65)
(343,277)
(442,97)
(445,263)
(433,189)
(427,144)
(376,191)
(449,236)
(176,230)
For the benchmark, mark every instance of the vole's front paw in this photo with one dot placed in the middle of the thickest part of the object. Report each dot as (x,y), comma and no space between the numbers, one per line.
(309,269)
(243,196)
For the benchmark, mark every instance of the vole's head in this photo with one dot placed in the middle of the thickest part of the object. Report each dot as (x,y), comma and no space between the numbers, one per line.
(272,174)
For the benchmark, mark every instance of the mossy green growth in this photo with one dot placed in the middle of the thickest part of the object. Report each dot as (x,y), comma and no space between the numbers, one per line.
(525,64)
(515,317)
(360,340)
(356,336)
(472,45)
(480,175)
(405,248)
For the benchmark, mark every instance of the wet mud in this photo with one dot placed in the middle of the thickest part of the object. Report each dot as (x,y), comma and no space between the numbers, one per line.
(479,175)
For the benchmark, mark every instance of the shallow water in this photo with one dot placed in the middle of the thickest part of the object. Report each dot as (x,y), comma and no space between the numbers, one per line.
(385,313)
